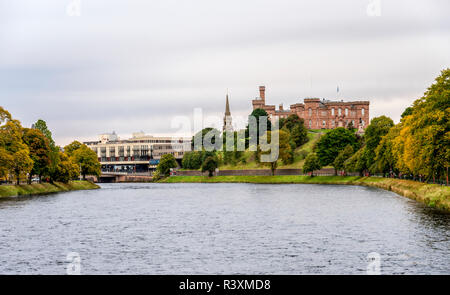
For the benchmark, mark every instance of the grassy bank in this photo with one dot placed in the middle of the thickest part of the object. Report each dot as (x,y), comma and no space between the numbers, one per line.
(44,188)
(430,194)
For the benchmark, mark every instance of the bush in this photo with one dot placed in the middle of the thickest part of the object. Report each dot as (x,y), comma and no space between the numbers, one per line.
(210,164)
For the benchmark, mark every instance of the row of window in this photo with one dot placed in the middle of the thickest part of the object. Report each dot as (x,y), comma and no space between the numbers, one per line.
(324,113)
(136,149)
(333,123)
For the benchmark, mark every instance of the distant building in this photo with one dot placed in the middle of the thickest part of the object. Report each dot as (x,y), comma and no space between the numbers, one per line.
(227,122)
(319,113)
(140,153)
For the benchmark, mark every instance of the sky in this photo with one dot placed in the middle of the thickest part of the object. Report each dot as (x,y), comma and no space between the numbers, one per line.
(89,66)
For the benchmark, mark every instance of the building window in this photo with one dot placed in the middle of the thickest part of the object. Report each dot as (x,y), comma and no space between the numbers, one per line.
(362,123)
(339,111)
(362,111)
(310,123)
(323,123)
(332,111)
(346,112)
(310,112)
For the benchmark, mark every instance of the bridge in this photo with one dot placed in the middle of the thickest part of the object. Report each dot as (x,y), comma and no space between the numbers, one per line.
(108,177)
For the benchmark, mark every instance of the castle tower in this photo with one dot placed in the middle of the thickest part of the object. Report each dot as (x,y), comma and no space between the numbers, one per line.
(227,123)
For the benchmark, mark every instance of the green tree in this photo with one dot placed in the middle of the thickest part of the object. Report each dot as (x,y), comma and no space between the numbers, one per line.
(312,163)
(87,160)
(257,114)
(39,148)
(72,147)
(330,144)
(42,126)
(211,135)
(296,128)
(210,164)
(377,128)
(343,155)
(166,162)
(192,160)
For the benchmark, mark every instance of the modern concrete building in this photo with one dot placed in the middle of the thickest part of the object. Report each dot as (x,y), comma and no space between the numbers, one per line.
(140,153)
(319,113)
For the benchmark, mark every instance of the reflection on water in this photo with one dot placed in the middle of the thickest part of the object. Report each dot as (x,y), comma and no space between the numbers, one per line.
(223,229)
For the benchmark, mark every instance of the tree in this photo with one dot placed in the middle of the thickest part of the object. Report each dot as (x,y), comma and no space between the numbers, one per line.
(343,155)
(166,162)
(311,164)
(14,152)
(423,142)
(192,160)
(385,161)
(330,144)
(212,135)
(66,169)
(39,148)
(210,165)
(72,147)
(257,114)
(285,151)
(296,127)
(22,163)
(42,126)
(377,128)
(87,160)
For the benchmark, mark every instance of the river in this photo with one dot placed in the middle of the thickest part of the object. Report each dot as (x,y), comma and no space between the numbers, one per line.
(222,229)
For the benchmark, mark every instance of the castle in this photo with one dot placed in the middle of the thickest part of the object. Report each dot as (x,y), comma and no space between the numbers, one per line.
(319,113)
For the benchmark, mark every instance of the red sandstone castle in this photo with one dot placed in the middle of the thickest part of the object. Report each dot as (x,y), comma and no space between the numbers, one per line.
(319,113)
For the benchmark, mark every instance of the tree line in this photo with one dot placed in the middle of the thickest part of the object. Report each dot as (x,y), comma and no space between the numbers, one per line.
(416,147)
(31,152)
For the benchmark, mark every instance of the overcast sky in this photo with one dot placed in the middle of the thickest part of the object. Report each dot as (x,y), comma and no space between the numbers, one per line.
(133,65)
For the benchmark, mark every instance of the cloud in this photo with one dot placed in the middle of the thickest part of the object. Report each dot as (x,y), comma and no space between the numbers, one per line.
(133,65)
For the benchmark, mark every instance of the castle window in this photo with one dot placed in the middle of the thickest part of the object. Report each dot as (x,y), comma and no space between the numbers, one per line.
(339,111)
(362,111)
(332,111)
(310,112)
(310,123)
(346,112)
(362,123)
(323,123)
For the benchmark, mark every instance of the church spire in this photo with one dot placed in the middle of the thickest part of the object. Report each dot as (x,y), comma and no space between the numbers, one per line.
(227,125)
(227,108)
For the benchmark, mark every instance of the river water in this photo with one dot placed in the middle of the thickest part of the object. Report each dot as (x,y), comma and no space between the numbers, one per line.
(222,229)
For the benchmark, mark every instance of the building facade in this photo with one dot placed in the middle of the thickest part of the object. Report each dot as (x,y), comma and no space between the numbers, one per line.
(319,113)
(140,153)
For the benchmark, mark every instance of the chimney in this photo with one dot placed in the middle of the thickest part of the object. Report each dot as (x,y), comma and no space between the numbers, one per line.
(262,94)
(281,107)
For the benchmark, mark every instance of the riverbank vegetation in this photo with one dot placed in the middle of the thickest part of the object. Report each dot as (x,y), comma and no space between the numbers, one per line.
(31,153)
(416,148)
(45,188)
(432,195)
